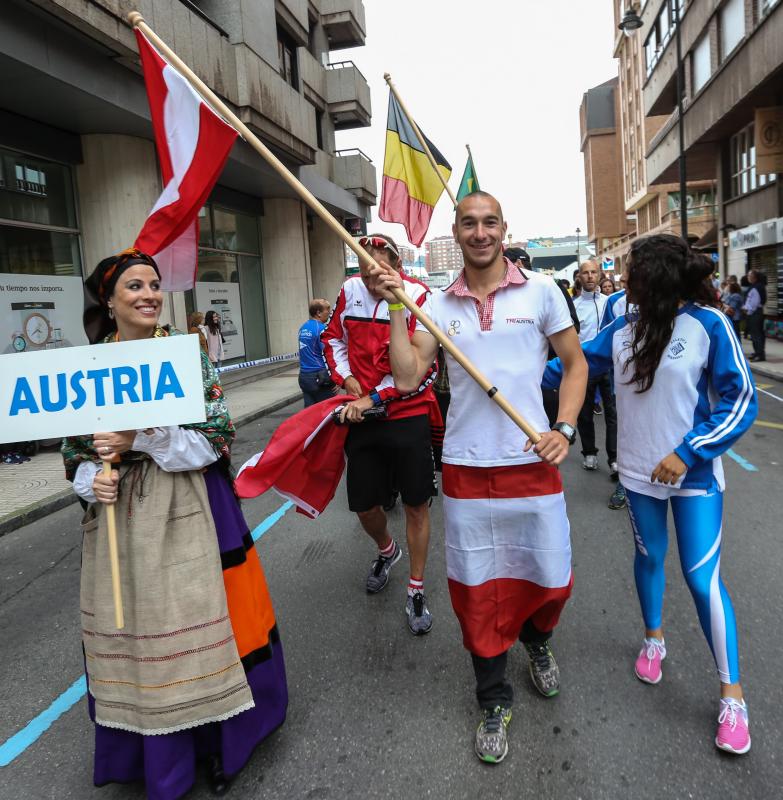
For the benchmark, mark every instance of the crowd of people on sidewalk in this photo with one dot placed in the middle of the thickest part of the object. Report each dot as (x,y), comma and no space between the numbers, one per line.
(197,675)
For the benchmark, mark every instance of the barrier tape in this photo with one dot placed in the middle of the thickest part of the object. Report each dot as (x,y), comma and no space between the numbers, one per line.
(258,362)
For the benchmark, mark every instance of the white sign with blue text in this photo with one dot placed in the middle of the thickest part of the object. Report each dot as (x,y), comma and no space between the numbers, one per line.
(146,383)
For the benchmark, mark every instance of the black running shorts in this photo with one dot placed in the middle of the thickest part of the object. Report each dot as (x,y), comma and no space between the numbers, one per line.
(391,455)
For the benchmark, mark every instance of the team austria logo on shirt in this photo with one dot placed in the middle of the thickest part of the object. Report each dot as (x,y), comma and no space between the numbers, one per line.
(677,348)
(454,326)
(520,321)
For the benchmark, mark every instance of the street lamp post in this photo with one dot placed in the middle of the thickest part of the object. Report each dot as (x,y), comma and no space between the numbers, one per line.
(630,24)
(578,231)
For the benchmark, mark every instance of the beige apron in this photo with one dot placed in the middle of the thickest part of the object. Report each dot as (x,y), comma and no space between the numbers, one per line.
(175,665)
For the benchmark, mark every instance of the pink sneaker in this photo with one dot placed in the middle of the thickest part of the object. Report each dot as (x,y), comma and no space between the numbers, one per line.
(648,664)
(733,735)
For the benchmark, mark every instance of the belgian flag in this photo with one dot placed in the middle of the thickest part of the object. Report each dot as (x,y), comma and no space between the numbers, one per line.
(410,187)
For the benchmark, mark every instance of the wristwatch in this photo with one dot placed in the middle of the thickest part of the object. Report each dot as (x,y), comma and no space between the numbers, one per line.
(567,430)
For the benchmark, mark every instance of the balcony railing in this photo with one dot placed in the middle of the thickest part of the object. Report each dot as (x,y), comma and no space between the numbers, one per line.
(708,212)
(354,171)
(347,96)
(343,21)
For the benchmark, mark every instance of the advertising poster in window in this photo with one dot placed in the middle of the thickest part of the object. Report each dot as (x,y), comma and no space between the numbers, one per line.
(40,312)
(224,299)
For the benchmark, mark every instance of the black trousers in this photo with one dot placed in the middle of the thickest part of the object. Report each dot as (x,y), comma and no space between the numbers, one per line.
(312,391)
(586,423)
(754,326)
(492,688)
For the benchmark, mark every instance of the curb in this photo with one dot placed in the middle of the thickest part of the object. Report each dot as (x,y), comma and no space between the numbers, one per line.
(42,508)
(765,372)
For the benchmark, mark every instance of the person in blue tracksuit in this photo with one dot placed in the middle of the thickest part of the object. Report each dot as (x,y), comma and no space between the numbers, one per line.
(684,397)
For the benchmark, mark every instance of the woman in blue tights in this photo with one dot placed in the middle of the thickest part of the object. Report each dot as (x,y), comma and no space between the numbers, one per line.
(684,396)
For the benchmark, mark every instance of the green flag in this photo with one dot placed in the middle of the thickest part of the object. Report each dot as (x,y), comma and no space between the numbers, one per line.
(469,182)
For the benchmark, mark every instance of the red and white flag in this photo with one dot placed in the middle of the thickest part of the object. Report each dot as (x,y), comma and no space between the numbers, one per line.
(303,461)
(193,143)
(508,551)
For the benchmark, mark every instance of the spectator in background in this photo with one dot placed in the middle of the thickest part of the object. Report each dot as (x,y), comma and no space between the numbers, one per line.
(196,325)
(754,313)
(732,304)
(314,380)
(214,336)
(590,308)
(607,286)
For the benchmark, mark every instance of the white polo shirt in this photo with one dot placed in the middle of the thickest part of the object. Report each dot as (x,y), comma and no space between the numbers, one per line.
(506,338)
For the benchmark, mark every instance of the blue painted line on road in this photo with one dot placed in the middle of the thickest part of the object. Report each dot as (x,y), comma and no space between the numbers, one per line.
(19,742)
(743,462)
(264,526)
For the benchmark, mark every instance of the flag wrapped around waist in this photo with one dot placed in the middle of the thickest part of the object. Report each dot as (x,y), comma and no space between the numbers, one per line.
(193,143)
(410,187)
(303,461)
(508,551)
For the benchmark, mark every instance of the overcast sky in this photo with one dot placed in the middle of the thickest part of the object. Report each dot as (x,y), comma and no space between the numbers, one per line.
(506,77)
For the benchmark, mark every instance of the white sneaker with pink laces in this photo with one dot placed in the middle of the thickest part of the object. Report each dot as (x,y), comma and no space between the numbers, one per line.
(733,735)
(648,664)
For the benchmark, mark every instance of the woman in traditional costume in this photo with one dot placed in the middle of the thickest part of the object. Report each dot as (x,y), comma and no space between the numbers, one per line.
(197,672)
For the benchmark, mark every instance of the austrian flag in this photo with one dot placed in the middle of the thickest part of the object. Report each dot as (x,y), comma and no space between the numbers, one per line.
(193,143)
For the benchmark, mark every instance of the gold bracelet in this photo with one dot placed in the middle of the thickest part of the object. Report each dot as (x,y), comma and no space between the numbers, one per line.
(396,306)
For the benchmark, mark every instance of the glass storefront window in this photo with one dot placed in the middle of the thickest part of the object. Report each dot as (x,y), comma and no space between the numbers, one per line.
(235,231)
(229,280)
(33,251)
(205,227)
(37,191)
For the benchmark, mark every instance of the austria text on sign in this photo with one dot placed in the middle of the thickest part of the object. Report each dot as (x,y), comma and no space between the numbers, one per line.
(107,387)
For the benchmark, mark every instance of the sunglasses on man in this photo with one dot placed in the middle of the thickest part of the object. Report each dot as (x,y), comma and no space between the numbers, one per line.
(378,243)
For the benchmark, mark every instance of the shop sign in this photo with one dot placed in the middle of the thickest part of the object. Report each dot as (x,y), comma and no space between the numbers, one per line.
(759,235)
(104,387)
(40,312)
(224,298)
(768,130)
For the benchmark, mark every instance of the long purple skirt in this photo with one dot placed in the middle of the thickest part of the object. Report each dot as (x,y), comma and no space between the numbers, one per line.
(167,763)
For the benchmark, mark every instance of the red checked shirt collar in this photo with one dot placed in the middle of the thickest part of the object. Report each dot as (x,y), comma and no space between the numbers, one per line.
(460,289)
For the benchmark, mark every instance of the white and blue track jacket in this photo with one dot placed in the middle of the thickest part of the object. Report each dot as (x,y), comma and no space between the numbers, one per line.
(616,306)
(702,399)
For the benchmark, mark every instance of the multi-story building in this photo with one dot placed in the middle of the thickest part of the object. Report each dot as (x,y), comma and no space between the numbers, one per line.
(78,165)
(733,106)
(602,147)
(618,132)
(442,253)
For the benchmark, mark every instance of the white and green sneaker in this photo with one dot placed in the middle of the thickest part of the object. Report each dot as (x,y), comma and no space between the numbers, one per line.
(543,669)
(492,736)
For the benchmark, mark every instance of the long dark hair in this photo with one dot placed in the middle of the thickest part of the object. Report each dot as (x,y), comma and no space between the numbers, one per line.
(212,321)
(662,272)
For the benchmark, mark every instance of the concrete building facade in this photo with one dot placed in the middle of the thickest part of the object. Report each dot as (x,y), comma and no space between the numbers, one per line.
(80,173)
(733,106)
(647,207)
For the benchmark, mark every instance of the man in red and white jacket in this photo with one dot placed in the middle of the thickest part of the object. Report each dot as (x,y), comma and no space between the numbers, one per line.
(389,453)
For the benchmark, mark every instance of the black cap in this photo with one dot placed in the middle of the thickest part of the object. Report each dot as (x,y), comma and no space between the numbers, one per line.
(515,253)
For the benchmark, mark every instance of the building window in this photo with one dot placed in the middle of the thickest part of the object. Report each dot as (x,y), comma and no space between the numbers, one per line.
(732,26)
(661,32)
(700,63)
(743,164)
(38,228)
(763,7)
(319,128)
(286,56)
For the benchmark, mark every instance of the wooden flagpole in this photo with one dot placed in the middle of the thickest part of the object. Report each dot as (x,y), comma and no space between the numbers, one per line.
(114,559)
(137,21)
(420,137)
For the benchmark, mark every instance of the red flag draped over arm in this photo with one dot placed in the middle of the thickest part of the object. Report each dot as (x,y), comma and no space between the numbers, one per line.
(303,461)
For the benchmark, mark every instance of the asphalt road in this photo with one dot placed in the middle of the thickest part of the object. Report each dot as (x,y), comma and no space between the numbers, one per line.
(377,713)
